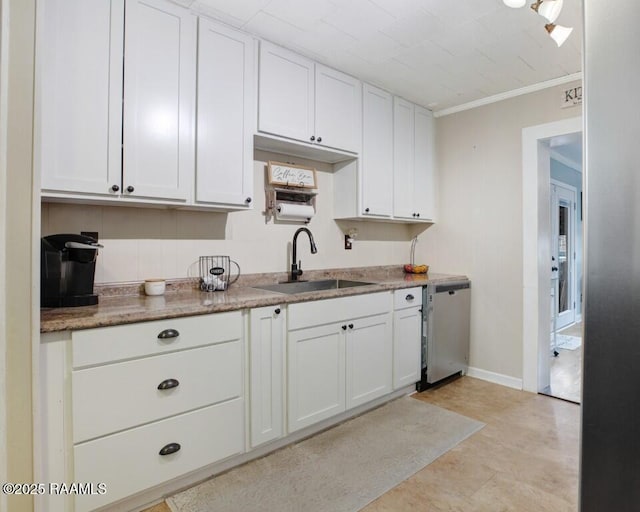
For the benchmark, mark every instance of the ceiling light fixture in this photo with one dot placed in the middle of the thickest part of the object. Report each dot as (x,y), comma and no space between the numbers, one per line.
(514,3)
(549,9)
(558,33)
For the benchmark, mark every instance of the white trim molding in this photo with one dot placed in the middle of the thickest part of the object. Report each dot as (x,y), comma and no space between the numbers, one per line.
(496,378)
(509,94)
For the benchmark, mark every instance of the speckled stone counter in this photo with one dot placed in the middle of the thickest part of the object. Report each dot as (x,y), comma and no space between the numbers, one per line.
(122,304)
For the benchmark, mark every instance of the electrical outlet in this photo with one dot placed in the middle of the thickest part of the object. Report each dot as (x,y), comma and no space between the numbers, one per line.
(348,242)
(92,234)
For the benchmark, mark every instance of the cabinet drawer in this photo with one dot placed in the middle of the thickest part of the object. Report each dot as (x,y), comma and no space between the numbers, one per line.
(308,314)
(129,462)
(407,298)
(118,396)
(108,344)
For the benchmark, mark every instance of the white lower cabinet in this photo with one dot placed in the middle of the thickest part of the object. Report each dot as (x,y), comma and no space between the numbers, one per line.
(369,348)
(316,375)
(138,406)
(133,420)
(137,459)
(407,328)
(344,362)
(266,373)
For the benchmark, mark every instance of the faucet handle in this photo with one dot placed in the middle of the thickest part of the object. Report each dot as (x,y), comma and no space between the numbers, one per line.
(299,267)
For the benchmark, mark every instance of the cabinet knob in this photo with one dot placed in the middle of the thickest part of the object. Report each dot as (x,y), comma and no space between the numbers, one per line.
(170,448)
(168,334)
(312,138)
(277,311)
(247,200)
(319,139)
(409,297)
(115,188)
(130,188)
(168,384)
(344,327)
(366,210)
(417,215)
(413,214)
(350,326)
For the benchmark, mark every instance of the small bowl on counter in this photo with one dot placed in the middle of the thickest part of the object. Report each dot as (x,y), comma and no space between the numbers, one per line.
(154,286)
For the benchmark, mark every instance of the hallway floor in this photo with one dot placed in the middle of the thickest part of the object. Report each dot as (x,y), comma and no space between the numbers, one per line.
(525,459)
(566,369)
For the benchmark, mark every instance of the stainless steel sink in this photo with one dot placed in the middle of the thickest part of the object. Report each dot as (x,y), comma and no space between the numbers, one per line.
(311,286)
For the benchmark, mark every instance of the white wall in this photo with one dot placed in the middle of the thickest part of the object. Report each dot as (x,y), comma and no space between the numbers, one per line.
(20,320)
(479,229)
(143,242)
(4,70)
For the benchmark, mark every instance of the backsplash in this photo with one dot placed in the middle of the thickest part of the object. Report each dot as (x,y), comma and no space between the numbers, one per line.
(143,243)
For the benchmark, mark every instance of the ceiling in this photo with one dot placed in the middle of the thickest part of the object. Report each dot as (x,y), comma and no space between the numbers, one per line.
(438,53)
(569,148)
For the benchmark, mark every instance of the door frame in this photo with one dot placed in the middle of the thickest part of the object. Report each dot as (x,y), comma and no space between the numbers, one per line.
(536,248)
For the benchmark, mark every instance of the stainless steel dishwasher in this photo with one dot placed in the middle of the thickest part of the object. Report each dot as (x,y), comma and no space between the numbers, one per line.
(445,331)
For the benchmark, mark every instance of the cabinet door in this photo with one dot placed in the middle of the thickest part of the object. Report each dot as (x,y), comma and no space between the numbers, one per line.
(424,164)
(159,100)
(316,369)
(266,359)
(407,325)
(285,105)
(224,158)
(377,152)
(338,112)
(403,168)
(369,352)
(79,95)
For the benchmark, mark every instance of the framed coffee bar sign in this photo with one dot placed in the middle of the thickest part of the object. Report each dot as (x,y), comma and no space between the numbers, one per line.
(291,175)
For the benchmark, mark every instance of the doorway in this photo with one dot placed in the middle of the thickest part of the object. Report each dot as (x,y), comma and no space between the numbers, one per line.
(537,147)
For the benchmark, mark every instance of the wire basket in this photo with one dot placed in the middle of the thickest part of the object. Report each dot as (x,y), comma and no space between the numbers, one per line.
(215,273)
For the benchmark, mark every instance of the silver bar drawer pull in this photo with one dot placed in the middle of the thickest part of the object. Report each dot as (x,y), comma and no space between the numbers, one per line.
(169,449)
(409,297)
(168,334)
(168,384)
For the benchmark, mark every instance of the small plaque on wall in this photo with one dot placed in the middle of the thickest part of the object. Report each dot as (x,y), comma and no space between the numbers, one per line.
(291,175)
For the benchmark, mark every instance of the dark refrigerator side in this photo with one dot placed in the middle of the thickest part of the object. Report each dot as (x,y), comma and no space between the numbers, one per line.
(610,444)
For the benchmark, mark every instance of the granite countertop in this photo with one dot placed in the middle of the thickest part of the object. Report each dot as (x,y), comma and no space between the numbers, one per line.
(123,304)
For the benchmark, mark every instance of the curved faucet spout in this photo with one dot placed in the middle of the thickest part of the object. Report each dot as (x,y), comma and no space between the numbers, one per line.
(295,267)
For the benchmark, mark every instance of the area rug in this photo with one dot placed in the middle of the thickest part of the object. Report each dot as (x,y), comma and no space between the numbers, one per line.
(340,470)
(568,342)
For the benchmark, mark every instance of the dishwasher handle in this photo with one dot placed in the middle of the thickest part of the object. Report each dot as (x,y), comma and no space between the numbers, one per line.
(452,287)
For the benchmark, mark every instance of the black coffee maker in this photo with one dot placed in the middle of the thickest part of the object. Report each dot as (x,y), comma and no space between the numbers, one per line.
(67,270)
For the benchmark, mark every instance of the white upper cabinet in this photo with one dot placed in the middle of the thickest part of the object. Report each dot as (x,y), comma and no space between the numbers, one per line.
(377,153)
(225,113)
(159,100)
(403,170)
(308,102)
(79,92)
(424,191)
(286,92)
(413,152)
(338,112)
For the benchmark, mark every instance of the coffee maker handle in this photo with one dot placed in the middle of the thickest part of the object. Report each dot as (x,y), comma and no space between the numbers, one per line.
(79,245)
(237,275)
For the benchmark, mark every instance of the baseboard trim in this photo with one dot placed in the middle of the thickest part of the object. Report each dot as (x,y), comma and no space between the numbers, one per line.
(496,378)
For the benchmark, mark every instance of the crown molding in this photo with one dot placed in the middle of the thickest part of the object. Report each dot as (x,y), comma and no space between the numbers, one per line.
(509,94)
(565,161)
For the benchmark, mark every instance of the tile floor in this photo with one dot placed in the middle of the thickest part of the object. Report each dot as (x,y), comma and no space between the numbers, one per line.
(524,460)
